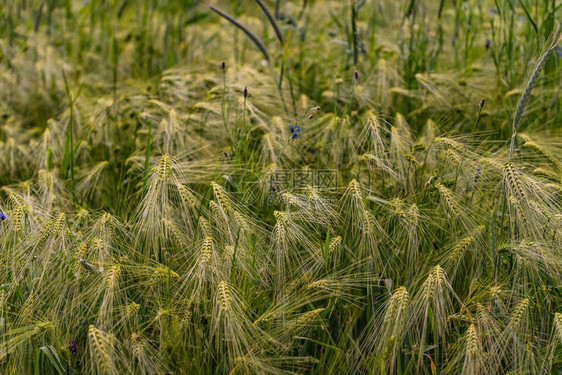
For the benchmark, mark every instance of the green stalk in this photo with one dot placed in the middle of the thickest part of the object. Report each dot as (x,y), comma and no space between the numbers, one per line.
(69,152)
(354,32)
(147,155)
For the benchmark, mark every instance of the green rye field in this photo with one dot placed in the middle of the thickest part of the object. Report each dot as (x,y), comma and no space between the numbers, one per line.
(280,187)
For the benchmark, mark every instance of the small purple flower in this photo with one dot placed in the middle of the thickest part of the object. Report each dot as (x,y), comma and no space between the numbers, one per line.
(3,216)
(245,92)
(356,74)
(73,347)
(488,43)
(482,103)
(295,135)
(558,51)
(292,129)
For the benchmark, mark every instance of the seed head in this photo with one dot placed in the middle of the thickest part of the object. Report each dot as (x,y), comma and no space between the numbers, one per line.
(164,169)
(207,250)
(225,296)
(558,324)
(220,194)
(472,340)
(17,217)
(132,309)
(518,313)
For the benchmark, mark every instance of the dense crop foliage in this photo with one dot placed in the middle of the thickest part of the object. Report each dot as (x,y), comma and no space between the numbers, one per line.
(264,187)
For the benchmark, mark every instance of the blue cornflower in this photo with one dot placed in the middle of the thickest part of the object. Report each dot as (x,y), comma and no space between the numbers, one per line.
(294,130)
(558,51)
(73,347)
(3,216)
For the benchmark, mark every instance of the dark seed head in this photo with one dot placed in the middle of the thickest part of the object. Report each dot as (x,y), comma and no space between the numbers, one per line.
(245,92)
(223,66)
(482,103)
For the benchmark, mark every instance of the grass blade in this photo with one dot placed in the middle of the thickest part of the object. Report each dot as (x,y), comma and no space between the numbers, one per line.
(271,20)
(254,38)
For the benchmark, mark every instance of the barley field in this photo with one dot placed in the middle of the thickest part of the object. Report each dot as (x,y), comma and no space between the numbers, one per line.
(280,187)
